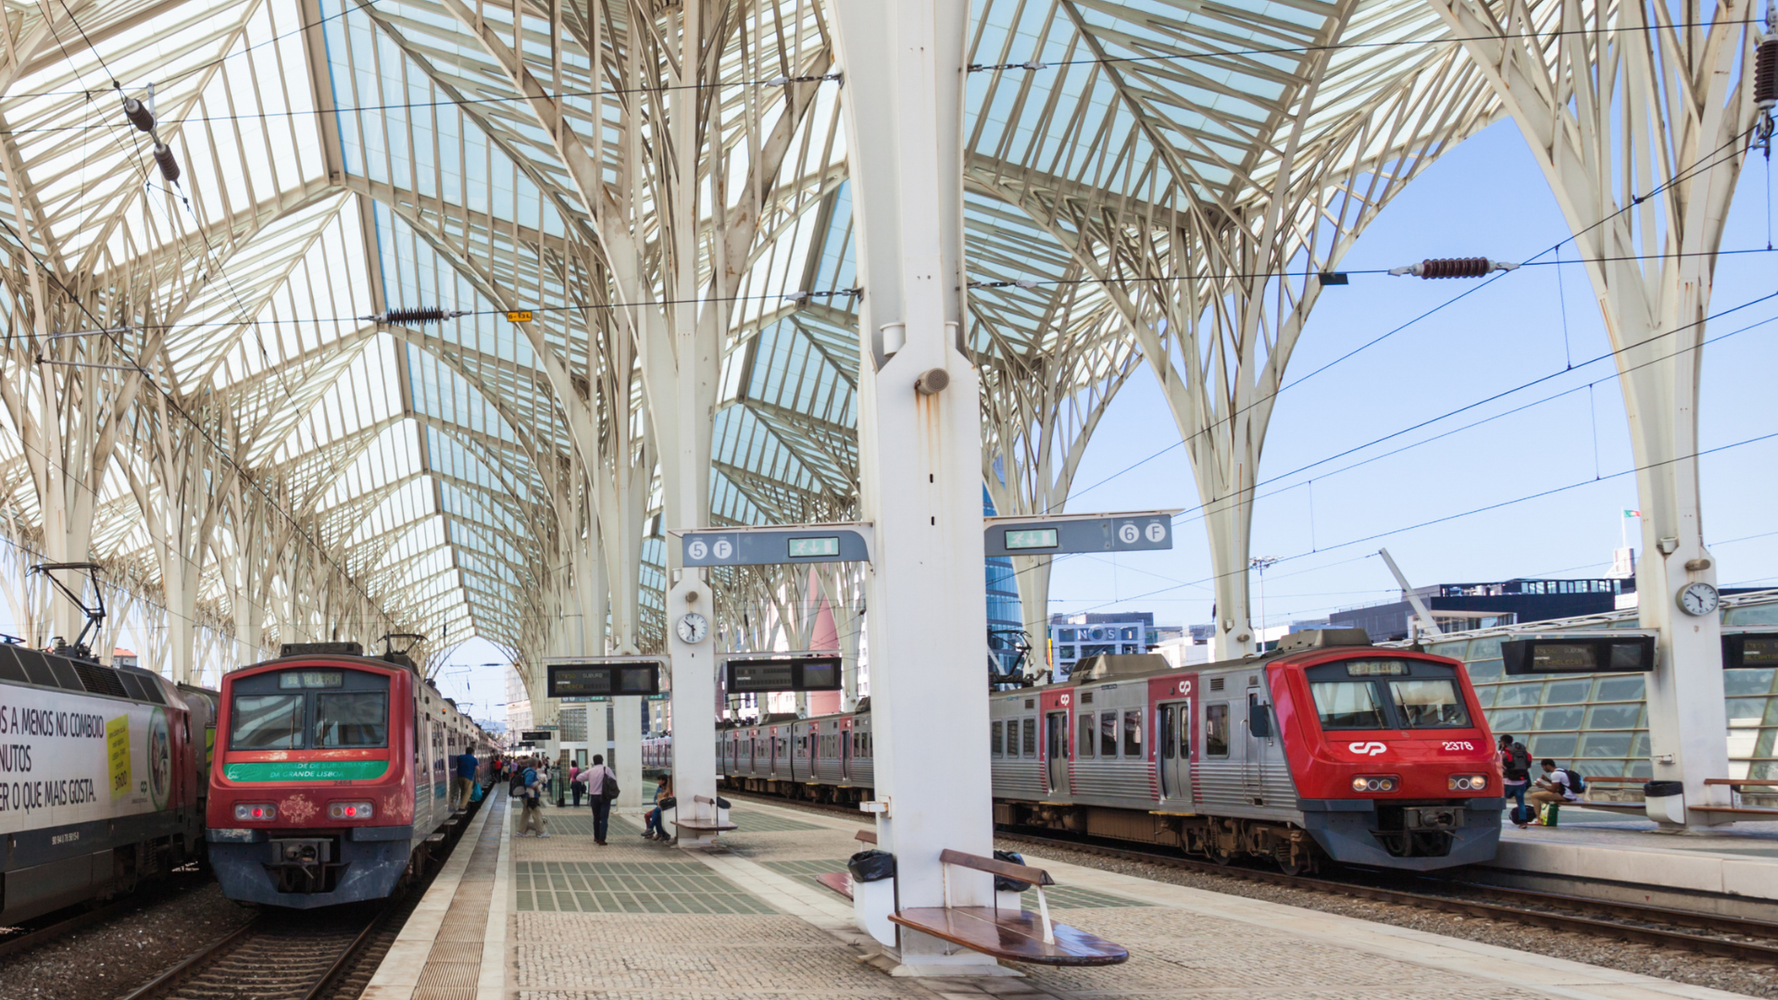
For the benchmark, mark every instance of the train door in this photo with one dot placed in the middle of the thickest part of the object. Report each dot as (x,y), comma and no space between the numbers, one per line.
(1258,730)
(1173,753)
(1055,743)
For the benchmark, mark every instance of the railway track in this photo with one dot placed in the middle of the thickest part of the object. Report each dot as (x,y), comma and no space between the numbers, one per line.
(281,955)
(1729,937)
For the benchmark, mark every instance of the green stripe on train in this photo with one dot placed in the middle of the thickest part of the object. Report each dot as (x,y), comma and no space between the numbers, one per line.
(306,770)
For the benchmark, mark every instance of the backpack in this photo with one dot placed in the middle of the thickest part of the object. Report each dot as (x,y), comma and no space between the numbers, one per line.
(1576,783)
(608,787)
(1518,762)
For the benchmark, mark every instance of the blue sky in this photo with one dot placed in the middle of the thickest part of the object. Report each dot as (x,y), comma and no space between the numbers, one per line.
(1484,198)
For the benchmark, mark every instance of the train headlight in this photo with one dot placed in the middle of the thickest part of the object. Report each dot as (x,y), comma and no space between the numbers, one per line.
(1375,783)
(256,811)
(1467,782)
(349,810)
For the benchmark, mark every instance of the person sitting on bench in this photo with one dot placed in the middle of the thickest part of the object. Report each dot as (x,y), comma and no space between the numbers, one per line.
(663,793)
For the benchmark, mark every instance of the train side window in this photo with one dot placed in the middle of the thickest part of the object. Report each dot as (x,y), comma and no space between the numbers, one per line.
(997,737)
(1169,716)
(1185,730)
(1216,730)
(1108,735)
(1133,732)
(1030,741)
(1084,745)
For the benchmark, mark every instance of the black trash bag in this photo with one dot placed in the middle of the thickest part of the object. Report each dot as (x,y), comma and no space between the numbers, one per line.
(1001,882)
(871,866)
(721,803)
(668,802)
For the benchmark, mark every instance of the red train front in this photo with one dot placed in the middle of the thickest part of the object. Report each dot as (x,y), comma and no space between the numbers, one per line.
(331,771)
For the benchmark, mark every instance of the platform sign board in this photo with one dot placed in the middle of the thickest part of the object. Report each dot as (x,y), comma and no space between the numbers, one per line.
(536,735)
(604,676)
(1587,652)
(783,672)
(776,546)
(1066,534)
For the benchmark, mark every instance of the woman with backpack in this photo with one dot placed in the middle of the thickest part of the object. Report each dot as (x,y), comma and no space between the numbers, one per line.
(601,785)
(1515,766)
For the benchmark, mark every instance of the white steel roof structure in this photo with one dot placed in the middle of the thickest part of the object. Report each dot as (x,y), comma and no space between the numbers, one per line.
(256,459)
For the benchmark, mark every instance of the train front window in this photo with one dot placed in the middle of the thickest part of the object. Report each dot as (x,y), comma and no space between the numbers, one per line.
(266,722)
(1348,705)
(1429,704)
(358,719)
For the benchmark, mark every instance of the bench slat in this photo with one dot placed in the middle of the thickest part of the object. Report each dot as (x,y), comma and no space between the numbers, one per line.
(698,824)
(865,836)
(994,866)
(1741,782)
(839,882)
(1737,810)
(1016,937)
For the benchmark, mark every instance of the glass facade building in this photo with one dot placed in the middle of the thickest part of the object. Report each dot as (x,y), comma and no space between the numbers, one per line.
(1599,722)
(1004,621)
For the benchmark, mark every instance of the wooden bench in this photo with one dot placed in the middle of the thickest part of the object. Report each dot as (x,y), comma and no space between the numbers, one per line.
(1734,785)
(1015,935)
(703,825)
(841,882)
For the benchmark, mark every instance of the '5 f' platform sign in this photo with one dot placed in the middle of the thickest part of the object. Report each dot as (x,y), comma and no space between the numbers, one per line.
(776,546)
(1070,533)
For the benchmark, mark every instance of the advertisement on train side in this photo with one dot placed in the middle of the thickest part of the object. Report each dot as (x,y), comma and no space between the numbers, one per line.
(67,758)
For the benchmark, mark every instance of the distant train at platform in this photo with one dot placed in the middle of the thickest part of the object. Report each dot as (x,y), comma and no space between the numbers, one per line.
(333,776)
(102,778)
(1325,749)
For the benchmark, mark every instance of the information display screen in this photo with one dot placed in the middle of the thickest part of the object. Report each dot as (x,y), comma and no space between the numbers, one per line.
(810,548)
(623,677)
(787,673)
(1572,654)
(536,735)
(1749,649)
(1031,538)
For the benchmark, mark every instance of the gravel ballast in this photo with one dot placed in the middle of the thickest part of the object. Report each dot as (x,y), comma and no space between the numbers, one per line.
(115,956)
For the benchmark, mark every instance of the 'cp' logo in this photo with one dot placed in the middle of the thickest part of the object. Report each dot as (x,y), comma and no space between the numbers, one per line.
(1063,700)
(1185,687)
(1368,749)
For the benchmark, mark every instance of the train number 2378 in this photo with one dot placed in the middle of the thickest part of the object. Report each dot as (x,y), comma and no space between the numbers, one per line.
(1458,745)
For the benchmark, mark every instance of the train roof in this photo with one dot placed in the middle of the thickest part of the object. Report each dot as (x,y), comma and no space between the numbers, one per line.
(20,664)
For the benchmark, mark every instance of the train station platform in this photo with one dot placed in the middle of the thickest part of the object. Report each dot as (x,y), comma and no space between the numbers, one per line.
(563,919)
(1621,855)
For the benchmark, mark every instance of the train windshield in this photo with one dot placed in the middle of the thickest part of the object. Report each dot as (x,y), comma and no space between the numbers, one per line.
(1429,704)
(267,722)
(358,719)
(1348,705)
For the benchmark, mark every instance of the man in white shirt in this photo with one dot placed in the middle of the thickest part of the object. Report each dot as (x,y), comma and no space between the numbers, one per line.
(1556,785)
(595,785)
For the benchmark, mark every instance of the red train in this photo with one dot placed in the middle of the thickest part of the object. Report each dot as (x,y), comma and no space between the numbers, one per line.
(332,775)
(1328,748)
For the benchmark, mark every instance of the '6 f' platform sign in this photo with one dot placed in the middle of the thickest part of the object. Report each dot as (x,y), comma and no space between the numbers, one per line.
(1069,533)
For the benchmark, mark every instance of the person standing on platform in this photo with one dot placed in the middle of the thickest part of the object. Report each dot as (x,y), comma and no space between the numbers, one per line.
(575,785)
(601,785)
(531,793)
(466,768)
(1515,766)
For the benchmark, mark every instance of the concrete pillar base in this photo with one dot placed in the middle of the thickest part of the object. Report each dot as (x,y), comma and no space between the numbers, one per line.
(929,965)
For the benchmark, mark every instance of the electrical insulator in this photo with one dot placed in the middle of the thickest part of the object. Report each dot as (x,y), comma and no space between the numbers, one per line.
(417,316)
(1765,75)
(169,166)
(1454,267)
(138,114)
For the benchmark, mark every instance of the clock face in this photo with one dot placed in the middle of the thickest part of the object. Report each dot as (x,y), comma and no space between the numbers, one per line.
(693,627)
(1698,599)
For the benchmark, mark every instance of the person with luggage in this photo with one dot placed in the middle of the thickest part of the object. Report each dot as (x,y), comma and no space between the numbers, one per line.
(1515,766)
(601,783)
(1558,785)
(531,794)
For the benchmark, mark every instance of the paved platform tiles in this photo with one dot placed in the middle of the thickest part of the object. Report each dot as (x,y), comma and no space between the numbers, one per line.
(625,925)
(1737,861)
